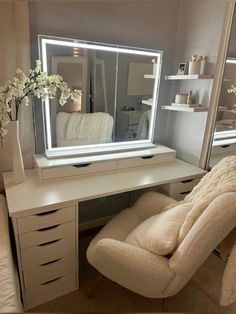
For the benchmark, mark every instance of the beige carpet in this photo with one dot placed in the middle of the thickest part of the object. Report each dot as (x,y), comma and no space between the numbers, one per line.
(201,294)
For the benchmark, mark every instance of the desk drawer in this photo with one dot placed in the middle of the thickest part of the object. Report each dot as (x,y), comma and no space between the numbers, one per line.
(46,219)
(183,186)
(50,290)
(145,161)
(47,252)
(47,234)
(36,275)
(69,171)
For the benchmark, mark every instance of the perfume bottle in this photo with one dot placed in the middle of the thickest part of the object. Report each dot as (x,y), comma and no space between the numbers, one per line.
(190,98)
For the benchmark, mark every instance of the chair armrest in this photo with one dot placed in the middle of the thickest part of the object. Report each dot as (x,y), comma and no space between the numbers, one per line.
(152,203)
(134,268)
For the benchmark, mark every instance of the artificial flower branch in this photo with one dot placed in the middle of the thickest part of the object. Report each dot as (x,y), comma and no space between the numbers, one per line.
(17,92)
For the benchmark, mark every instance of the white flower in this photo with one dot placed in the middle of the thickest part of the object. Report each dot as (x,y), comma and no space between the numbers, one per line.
(16,92)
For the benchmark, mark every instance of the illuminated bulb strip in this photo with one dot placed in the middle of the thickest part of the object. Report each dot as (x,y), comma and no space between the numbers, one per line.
(98,47)
(75,45)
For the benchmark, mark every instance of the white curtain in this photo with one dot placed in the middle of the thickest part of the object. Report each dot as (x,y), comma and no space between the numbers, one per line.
(15,53)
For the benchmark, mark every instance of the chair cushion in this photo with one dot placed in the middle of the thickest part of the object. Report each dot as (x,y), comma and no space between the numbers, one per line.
(159,233)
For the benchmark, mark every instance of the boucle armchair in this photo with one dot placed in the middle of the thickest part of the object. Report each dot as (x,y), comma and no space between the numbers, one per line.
(156,246)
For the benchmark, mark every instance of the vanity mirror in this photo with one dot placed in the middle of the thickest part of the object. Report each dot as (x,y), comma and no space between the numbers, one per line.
(119,93)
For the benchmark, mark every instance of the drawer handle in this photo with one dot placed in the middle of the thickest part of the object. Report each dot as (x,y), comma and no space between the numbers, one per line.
(187,181)
(147,157)
(48,282)
(183,193)
(225,146)
(47,213)
(50,242)
(82,165)
(48,228)
(48,263)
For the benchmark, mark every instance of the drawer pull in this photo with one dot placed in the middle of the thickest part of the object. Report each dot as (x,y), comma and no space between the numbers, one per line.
(50,242)
(183,193)
(48,263)
(147,157)
(82,165)
(48,282)
(47,213)
(48,228)
(187,181)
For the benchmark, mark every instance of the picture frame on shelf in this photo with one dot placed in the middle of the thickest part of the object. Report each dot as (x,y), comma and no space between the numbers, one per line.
(182,69)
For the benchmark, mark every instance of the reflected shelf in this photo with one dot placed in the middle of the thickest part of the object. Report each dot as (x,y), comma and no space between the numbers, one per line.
(189,77)
(185,109)
(148,102)
(191,109)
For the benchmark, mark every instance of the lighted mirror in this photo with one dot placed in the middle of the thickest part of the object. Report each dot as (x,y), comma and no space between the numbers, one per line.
(119,91)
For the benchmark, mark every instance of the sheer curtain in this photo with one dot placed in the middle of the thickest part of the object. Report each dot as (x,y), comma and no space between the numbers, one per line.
(15,53)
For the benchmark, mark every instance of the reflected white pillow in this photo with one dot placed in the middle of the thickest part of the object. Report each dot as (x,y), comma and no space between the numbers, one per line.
(159,233)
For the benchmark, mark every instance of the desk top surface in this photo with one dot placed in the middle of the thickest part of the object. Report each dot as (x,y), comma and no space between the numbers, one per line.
(31,195)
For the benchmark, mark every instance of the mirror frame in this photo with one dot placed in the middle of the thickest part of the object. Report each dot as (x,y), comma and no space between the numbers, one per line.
(54,152)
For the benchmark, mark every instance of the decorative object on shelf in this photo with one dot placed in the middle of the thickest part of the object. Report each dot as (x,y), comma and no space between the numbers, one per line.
(154,69)
(181,98)
(196,65)
(190,98)
(181,69)
(234,108)
(16,93)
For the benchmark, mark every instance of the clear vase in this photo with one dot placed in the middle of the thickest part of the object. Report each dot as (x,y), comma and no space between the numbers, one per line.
(18,165)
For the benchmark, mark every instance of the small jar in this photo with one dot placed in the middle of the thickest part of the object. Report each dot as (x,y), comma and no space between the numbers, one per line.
(181,98)
(194,67)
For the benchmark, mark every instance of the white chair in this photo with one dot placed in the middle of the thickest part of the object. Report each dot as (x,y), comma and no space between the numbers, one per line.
(77,128)
(156,246)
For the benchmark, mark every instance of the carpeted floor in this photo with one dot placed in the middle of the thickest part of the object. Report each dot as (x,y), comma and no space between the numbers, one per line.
(199,295)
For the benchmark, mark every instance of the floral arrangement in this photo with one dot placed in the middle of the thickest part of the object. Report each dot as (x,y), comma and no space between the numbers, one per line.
(232,89)
(17,92)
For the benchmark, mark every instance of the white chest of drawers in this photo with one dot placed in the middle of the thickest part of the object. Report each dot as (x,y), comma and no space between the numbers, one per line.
(47,252)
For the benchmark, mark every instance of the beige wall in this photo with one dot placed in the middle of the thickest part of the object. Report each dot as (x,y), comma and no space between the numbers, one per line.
(14,52)
(199,31)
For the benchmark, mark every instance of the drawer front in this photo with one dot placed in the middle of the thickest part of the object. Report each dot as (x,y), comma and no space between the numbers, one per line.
(47,252)
(179,196)
(183,186)
(224,149)
(50,290)
(47,234)
(46,219)
(69,171)
(37,275)
(145,161)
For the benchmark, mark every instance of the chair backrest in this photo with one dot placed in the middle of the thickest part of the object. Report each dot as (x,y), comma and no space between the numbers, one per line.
(83,128)
(218,219)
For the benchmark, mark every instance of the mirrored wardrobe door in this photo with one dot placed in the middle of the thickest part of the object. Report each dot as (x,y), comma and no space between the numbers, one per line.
(224,137)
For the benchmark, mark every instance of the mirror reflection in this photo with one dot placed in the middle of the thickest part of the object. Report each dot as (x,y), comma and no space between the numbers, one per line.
(118,93)
(224,142)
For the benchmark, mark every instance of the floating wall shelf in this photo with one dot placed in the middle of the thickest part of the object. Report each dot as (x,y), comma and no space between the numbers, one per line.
(193,109)
(188,77)
(150,76)
(185,109)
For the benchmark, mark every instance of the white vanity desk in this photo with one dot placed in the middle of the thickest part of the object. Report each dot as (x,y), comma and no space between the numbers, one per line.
(45,220)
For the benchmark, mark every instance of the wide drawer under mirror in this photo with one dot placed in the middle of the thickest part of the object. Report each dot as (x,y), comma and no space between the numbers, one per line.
(52,169)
